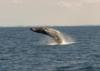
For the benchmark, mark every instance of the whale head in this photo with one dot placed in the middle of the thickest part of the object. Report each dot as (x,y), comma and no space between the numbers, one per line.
(39,30)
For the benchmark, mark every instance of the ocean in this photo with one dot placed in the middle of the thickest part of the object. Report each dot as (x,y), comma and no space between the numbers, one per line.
(24,50)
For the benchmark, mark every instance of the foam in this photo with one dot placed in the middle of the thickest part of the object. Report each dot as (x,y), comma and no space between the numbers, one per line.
(66,40)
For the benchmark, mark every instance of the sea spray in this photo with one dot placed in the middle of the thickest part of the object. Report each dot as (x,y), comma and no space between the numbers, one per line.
(66,40)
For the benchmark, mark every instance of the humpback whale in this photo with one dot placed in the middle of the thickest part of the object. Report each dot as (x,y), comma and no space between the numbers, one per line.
(51,32)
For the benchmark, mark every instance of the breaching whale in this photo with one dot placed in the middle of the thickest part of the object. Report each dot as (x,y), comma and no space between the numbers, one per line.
(51,32)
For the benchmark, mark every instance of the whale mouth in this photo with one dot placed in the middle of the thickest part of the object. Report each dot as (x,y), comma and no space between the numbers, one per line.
(33,29)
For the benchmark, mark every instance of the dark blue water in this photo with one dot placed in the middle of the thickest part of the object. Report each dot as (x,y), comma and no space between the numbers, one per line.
(20,50)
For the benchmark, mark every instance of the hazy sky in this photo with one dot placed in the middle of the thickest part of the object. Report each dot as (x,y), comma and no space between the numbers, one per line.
(49,12)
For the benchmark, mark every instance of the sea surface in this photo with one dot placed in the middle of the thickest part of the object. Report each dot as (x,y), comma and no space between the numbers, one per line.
(24,50)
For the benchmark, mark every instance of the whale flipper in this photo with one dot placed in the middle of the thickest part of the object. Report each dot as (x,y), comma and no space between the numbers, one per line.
(55,34)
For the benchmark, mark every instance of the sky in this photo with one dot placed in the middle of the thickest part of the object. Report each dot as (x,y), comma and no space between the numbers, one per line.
(49,12)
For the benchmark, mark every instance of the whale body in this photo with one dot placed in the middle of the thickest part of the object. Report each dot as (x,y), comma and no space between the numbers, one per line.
(51,32)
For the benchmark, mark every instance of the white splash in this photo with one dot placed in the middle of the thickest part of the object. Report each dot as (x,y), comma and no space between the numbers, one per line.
(66,40)
(64,43)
